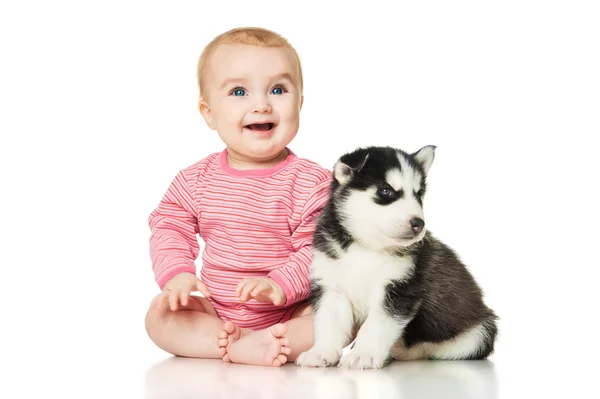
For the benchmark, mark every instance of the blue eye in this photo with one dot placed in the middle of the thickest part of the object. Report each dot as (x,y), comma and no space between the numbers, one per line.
(277,91)
(239,92)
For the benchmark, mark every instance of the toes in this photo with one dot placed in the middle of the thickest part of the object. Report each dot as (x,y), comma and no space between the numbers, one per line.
(226,358)
(222,334)
(229,327)
(222,352)
(278,330)
(285,341)
(222,342)
(285,350)
(281,359)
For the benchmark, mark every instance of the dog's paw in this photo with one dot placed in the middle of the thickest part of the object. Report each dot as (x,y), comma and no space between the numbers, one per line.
(357,360)
(316,358)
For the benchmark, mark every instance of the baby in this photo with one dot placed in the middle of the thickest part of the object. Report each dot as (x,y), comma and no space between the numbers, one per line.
(255,206)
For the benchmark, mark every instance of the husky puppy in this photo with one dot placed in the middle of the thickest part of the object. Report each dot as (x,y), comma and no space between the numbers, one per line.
(380,278)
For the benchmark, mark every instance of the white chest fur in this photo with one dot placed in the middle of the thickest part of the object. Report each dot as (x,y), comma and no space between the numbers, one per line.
(360,275)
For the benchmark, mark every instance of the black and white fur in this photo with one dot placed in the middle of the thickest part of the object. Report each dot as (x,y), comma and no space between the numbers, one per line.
(380,278)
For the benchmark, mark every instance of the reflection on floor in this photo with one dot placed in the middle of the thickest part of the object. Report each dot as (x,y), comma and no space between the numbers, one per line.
(186,378)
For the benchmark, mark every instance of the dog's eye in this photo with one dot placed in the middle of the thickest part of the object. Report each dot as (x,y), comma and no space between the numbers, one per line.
(386,192)
(419,193)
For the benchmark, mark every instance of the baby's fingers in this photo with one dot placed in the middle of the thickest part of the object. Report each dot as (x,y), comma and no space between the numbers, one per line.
(184,295)
(173,300)
(276,298)
(244,295)
(259,289)
(240,286)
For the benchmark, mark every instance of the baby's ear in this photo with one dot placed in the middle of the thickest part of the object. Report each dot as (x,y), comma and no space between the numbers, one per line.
(206,114)
(349,166)
(425,157)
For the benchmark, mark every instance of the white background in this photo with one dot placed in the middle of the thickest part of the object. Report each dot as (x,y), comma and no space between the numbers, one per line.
(98,113)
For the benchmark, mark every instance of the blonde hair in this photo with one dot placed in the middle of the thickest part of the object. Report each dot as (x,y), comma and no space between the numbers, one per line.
(245,35)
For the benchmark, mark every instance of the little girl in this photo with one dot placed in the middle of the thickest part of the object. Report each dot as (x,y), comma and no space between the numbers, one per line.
(255,206)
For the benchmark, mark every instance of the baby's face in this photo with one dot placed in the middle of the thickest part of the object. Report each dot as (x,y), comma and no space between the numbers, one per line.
(254,99)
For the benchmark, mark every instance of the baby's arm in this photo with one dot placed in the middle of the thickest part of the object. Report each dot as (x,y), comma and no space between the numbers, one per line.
(173,243)
(294,276)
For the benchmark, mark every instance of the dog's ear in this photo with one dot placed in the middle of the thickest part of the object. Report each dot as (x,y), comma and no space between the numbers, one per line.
(342,172)
(425,157)
(349,165)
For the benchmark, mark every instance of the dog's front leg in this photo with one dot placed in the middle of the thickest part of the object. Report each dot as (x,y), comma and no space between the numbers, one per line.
(380,331)
(333,321)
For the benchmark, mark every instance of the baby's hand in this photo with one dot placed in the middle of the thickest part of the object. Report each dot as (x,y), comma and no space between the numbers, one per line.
(263,289)
(178,289)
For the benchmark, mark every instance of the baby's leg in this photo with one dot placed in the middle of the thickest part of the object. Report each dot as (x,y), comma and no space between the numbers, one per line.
(300,332)
(275,345)
(189,331)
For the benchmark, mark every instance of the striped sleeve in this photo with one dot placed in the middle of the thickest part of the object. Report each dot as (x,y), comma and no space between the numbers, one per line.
(174,225)
(294,276)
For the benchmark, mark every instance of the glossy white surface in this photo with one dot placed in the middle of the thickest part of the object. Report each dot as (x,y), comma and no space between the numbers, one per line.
(530,377)
(186,378)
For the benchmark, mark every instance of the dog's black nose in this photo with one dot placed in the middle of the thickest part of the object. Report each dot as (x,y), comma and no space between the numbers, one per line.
(417,225)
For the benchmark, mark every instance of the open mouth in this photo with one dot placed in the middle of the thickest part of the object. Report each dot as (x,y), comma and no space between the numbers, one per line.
(260,127)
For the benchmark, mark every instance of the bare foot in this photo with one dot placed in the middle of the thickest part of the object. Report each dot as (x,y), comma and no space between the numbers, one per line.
(227,336)
(268,347)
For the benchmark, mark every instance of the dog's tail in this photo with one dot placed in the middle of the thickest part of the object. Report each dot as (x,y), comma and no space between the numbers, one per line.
(490,332)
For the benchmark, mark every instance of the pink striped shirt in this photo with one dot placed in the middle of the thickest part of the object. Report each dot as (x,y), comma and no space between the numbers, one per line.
(253,223)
